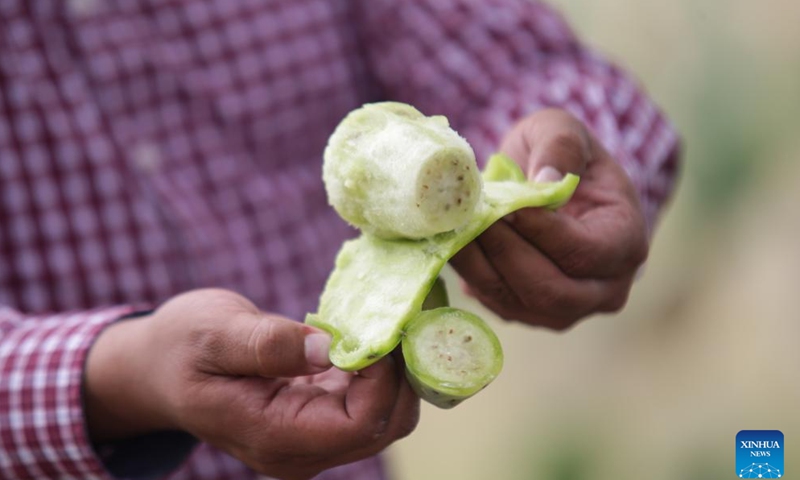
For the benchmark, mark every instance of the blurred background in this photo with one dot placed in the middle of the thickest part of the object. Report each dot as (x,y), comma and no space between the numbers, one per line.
(708,344)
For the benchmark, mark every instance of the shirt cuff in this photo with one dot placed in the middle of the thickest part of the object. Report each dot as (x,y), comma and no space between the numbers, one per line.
(42,427)
(145,457)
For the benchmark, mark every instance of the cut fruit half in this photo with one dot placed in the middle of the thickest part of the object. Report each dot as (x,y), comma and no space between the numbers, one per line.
(450,355)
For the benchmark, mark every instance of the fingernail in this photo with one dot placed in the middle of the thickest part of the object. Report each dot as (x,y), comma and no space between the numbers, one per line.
(317,347)
(548,174)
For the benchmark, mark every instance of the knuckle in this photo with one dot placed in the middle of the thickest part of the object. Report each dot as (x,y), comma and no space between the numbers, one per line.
(266,333)
(544,297)
(562,306)
(616,304)
(495,289)
(380,428)
(617,301)
(367,434)
(560,325)
(262,332)
(548,116)
(210,299)
(406,428)
(569,142)
(640,252)
(548,322)
(209,340)
(408,424)
(576,261)
(363,433)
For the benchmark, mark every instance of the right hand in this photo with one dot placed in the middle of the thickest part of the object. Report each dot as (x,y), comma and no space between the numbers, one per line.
(255,385)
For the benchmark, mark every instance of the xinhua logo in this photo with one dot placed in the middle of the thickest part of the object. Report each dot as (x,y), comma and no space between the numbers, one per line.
(759,454)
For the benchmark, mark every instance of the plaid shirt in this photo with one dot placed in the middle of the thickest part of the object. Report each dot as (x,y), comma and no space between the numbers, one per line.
(153,146)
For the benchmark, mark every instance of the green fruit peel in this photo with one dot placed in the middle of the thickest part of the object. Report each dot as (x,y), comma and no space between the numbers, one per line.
(501,168)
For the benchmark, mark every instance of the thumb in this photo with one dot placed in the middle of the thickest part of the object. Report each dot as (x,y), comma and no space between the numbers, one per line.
(270,346)
(551,143)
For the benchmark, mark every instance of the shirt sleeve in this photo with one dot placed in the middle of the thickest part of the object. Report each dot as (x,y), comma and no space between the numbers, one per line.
(42,424)
(487,64)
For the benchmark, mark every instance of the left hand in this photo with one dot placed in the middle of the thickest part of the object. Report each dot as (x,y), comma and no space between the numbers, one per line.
(253,384)
(553,268)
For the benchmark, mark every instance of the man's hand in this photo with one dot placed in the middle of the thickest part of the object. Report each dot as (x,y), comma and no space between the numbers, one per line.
(552,268)
(258,386)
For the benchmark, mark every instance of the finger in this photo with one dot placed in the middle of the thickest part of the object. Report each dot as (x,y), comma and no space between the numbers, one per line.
(610,242)
(526,315)
(352,421)
(405,416)
(334,381)
(550,138)
(403,419)
(372,394)
(539,284)
(266,346)
(473,266)
(483,282)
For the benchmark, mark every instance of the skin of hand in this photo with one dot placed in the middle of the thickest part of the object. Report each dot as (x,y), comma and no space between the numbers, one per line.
(553,268)
(255,385)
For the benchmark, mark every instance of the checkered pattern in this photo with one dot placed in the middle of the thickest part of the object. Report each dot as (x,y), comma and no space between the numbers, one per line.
(152,146)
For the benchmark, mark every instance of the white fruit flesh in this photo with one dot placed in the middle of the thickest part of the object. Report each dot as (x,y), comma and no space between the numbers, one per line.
(395,173)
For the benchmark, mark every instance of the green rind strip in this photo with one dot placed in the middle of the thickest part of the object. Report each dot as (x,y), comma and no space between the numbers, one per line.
(501,168)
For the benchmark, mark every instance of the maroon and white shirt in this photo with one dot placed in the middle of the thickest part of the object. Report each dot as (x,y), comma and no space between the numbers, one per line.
(148,147)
